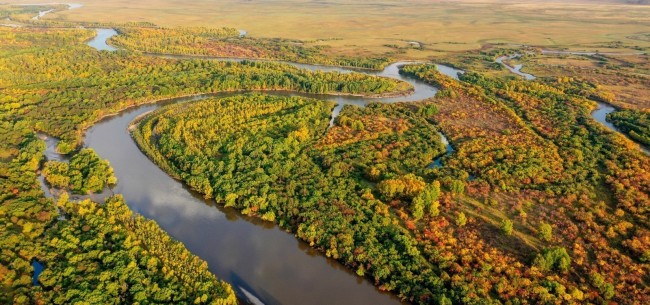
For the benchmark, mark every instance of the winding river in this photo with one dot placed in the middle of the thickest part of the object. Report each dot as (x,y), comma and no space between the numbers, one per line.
(516,69)
(600,114)
(41,14)
(99,41)
(265,264)
(71,6)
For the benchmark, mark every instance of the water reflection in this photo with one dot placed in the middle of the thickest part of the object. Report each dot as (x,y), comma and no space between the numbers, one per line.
(38,269)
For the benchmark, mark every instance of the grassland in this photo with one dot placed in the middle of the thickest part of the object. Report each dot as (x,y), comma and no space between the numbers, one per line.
(387,26)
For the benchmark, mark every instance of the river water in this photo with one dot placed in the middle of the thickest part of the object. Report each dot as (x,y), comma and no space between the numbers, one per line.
(38,269)
(41,14)
(99,41)
(71,6)
(515,69)
(263,263)
(600,115)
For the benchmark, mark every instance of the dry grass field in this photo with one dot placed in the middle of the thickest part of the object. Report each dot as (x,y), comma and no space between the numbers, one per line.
(376,27)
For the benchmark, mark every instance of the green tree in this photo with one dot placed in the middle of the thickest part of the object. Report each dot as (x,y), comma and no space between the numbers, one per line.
(545,231)
(507,226)
(461,219)
(553,259)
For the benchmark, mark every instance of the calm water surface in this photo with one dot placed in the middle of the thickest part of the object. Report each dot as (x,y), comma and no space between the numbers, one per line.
(516,69)
(38,269)
(99,42)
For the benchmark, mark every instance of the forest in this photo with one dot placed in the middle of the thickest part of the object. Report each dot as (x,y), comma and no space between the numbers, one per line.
(65,63)
(84,243)
(537,204)
(85,173)
(227,43)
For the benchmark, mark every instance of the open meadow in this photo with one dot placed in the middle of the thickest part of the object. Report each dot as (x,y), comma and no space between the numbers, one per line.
(410,28)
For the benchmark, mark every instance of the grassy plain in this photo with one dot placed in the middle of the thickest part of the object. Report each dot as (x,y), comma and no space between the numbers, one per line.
(376,27)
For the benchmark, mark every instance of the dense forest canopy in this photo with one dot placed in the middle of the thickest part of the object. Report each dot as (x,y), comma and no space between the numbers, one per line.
(635,123)
(227,43)
(65,77)
(97,253)
(85,173)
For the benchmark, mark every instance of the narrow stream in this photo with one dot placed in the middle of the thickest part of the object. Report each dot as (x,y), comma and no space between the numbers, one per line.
(515,69)
(71,6)
(41,14)
(448,151)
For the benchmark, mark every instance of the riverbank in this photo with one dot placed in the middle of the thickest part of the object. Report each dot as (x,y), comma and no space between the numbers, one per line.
(600,114)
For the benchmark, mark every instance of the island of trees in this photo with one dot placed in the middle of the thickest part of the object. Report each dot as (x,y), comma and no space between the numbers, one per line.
(481,227)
